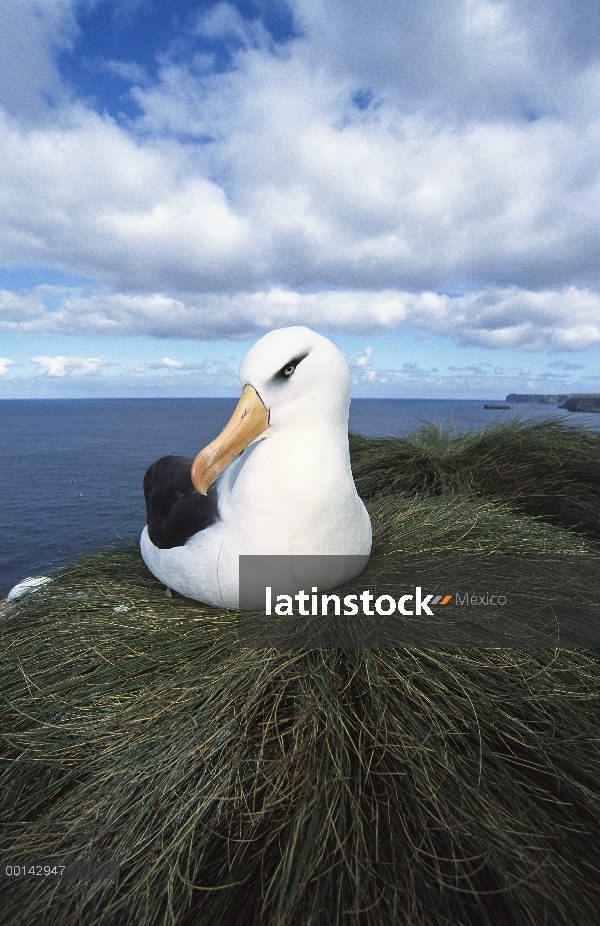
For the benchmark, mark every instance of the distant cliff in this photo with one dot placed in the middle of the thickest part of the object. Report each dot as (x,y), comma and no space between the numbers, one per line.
(587,403)
(594,397)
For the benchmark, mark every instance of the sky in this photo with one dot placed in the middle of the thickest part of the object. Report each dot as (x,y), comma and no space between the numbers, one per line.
(420,182)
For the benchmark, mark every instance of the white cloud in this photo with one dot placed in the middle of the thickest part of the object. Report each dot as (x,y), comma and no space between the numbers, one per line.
(564,365)
(32,31)
(364,358)
(171,364)
(471,162)
(514,318)
(225,23)
(178,366)
(304,189)
(474,59)
(60,366)
(17,308)
(87,198)
(127,70)
(5,363)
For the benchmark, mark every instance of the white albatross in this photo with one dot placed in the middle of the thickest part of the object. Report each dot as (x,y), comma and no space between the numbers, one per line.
(290,491)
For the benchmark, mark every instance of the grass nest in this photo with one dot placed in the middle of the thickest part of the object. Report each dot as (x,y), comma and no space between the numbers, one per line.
(396,786)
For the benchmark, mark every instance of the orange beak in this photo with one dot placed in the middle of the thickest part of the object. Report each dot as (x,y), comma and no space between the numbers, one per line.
(249,419)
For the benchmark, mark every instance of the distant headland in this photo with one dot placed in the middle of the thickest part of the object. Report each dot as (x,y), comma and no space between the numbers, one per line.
(572,401)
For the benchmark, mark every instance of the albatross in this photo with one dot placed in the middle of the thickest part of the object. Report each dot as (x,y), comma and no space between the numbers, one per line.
(276,481)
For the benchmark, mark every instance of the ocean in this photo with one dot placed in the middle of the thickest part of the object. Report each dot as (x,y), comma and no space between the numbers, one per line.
(71,469)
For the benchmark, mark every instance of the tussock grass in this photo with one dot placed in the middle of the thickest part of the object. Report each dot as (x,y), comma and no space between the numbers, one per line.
(546,468)
(292,788)
(464,524)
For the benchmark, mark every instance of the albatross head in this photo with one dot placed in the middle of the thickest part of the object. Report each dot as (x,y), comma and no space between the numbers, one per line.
(291,377)
(299,375)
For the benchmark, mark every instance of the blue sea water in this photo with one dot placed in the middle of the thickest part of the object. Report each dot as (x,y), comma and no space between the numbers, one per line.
(71,470)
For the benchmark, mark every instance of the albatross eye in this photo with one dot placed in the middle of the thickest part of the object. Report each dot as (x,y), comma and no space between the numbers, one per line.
(289,369)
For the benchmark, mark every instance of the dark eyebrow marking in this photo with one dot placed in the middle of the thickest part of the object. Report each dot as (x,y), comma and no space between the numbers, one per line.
(288,368)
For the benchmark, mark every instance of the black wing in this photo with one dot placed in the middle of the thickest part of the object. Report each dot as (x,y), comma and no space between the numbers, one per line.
(174,509)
